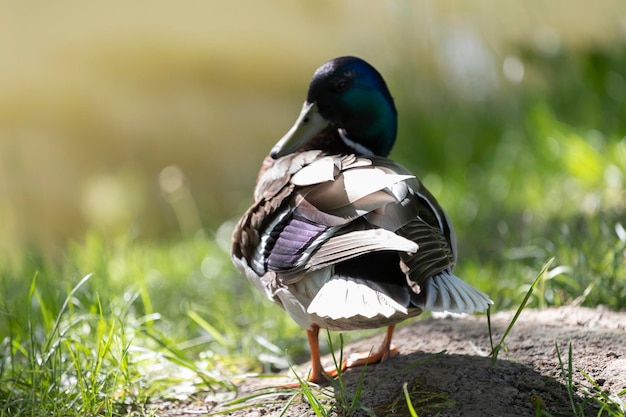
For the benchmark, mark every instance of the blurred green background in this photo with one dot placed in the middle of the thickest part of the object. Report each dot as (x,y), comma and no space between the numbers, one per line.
(131,134)
(151,118)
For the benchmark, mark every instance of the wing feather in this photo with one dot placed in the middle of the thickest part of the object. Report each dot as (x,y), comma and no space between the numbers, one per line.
(352,244)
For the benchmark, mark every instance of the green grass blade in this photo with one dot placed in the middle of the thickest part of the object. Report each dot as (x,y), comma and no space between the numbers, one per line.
(567,376)
(57,322)
(498,347)
(407,397)
(613,405)
(210,329)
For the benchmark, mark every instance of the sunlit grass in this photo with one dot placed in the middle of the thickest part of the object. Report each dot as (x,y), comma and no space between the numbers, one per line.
(170,320)
(135,329)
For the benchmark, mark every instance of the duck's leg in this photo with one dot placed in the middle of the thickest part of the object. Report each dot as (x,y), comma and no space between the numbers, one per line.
(384,352)
(317,372)
(317,375)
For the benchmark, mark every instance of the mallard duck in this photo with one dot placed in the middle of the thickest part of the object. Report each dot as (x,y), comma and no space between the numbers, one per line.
(340,236)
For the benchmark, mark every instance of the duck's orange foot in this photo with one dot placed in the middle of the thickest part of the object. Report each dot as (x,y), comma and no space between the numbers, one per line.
(320,375)
(360,359)
(384,352)
(354,361)
(326,374)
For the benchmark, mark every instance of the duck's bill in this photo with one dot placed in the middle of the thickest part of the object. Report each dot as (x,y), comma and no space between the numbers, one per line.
(308,124)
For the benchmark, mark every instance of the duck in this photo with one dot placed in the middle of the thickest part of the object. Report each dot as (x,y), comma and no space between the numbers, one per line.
(339,235)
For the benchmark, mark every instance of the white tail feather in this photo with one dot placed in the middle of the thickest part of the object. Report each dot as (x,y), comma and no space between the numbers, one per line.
(341,298)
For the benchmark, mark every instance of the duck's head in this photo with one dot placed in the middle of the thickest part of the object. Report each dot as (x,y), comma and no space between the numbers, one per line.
(350,97)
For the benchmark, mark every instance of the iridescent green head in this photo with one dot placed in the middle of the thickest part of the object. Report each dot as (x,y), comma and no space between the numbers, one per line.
(349,95)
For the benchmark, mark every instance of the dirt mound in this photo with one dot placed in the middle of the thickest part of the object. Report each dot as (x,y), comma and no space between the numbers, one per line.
(464,382)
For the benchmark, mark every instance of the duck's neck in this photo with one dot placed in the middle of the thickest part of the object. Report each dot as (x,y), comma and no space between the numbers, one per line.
(356,147)
(375,134)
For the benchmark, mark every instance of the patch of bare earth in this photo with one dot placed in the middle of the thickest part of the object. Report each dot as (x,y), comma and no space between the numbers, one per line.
(463,381)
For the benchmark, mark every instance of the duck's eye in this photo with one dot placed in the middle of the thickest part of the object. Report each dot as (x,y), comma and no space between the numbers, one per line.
(341,85)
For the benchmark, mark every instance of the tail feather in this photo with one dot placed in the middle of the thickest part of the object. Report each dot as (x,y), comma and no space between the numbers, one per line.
(447,292)
(345,297)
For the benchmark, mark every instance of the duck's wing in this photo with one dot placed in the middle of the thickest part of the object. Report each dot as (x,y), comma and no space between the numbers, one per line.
(363,218)
(312,211)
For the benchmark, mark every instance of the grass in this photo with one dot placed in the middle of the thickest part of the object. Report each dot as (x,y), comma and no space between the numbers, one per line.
(114,325)
(609,405)
(103,343)
(495,349)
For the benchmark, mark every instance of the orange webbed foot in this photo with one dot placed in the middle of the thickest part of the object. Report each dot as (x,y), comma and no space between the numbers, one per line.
(361,359)
(319,375)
